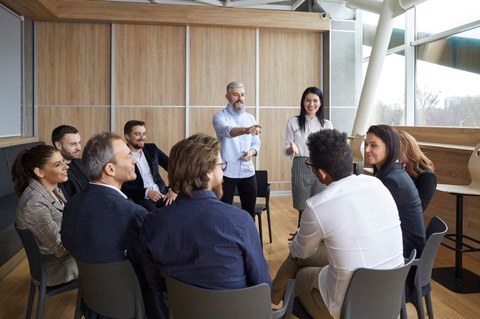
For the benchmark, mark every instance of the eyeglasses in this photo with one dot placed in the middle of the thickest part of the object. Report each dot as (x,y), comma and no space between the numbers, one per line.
(308,163)
(223,166)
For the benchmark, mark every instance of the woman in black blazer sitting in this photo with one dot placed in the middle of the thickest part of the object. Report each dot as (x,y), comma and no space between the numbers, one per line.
(419,167)
(382,151)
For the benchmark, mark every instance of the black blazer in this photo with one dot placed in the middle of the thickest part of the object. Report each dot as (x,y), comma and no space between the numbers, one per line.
(77,179)
(155,158)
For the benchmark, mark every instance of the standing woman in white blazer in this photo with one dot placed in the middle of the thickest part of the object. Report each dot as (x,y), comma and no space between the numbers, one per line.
(310,120)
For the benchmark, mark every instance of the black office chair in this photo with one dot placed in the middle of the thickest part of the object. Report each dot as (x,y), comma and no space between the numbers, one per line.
(38,273)
(436,230)
(186,301)
(372,293)
(111,289)
(263,191)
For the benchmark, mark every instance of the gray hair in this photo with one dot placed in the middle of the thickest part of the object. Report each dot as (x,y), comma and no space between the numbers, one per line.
(234,85)
(97,153)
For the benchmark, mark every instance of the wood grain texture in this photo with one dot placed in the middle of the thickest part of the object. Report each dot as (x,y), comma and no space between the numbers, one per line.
(289,63)
(451,167)
(73,64)
(446,304)
(149,65)
(145,13)
(219,56)
(274,123)
(88,121)
(202,120)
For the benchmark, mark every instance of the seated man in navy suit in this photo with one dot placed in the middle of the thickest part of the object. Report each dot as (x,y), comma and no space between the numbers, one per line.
(99,224)
(148,189)
(66,139)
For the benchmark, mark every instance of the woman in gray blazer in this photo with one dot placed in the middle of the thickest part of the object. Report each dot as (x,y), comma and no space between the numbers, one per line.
(35,175)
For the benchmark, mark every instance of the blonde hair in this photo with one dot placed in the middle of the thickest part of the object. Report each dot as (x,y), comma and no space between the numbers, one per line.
(412,156)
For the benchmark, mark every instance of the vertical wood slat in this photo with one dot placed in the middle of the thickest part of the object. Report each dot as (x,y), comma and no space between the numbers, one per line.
(74,73)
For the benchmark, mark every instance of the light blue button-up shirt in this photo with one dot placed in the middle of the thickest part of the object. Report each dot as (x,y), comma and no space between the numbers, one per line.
(233,147)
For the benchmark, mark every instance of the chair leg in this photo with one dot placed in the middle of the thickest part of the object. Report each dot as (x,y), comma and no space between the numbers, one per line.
(42,294)
(403,309)
(269,225)
(260,230)
(419,304)
(78,306)
(428,301)
(31,297)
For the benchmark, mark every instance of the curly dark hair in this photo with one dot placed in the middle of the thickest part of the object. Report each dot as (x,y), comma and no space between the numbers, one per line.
(329,151)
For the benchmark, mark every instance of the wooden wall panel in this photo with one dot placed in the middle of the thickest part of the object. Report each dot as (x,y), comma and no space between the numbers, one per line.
(73,64)
(149,65)
(274,122)
(217,57)
(88,120)
(444,135)
(451,167)
(201,120)
(165,126)
(289,63)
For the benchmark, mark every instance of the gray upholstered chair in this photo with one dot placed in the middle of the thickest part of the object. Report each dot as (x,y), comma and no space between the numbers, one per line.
(372,293)
(186,301)
(436,230)
(38,272)
(111,289)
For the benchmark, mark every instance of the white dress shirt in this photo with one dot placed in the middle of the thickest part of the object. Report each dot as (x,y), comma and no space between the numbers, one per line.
(357,221)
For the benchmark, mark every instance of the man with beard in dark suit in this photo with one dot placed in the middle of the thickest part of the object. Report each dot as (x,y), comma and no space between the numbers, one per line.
(148,189)
(66,139)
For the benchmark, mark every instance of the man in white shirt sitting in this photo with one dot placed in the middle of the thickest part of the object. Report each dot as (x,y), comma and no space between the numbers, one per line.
(352,224)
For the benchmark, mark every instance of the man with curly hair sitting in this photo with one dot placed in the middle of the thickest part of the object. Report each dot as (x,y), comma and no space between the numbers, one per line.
(352,224)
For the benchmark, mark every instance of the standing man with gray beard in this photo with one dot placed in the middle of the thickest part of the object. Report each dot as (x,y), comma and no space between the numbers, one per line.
(238,133)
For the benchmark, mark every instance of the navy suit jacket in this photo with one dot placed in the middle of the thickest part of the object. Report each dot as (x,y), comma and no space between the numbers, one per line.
(155,158)
(99,225)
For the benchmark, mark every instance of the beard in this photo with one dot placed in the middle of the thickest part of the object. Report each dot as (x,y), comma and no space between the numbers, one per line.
(238,108)
(136,145)
(218,191)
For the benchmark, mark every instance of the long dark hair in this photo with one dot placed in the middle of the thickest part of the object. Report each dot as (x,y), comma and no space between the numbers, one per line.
(25,164)
(320,113)
(391,138)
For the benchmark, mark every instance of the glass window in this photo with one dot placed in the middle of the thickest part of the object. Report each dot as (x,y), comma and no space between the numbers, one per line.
(390,97)
(448,77)
(441,15)
(370,21)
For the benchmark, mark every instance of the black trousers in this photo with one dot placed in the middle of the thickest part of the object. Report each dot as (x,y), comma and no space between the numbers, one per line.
(247,190)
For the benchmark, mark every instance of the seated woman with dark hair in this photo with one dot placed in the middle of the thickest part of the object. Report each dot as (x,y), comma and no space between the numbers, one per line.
(419,167)
(382,151)
(35,175)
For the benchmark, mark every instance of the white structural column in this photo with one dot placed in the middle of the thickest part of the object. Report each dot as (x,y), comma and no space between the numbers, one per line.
(374,70)
(389,9)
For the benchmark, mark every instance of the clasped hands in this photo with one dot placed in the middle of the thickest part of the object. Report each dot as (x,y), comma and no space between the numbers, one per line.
(155,196)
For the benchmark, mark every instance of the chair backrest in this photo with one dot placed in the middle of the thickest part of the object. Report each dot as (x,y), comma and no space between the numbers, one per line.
(262,183)
(36,261)
(186,301)
(111,289)
(436,230)
(474,167)
(356,145)
(376,293)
